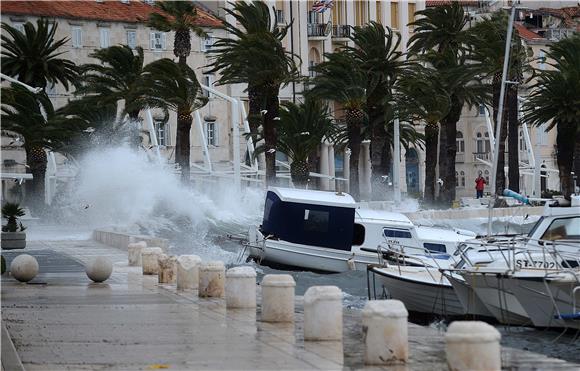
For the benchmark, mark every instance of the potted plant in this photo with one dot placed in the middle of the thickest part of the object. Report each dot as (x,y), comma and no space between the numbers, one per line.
(13,236)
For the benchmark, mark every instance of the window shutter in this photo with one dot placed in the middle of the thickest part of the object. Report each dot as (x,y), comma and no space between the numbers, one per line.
(216,133)
(152,40)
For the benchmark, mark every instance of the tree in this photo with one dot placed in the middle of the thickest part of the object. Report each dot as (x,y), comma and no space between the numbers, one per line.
(301,129)
(33,118)
(440,38)
(422,97)
(487,40)
(554,98)
(339,78)
(253,54)
(181,17)
(32,56)
(171,86)
(376,51)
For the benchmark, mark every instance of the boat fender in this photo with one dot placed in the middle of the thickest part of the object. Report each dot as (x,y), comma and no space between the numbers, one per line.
(351,264)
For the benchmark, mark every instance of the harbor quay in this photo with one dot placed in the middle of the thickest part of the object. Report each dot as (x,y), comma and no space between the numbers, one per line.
(61,320)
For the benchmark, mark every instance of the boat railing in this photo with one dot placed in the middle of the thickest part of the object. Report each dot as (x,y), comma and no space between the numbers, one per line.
(404,260)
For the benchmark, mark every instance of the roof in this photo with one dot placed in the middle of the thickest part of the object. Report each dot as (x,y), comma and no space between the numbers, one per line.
(381,216)
(526,34)
(109,11)
(430,3)
(442,234)
(305,196)
(566,14)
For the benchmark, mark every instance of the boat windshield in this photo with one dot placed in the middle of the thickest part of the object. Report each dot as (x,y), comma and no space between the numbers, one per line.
(535,227)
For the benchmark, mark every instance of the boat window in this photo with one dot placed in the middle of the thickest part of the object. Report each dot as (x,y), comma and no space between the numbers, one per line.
(267,208)
(435,247)
(358,235)
(533,230)
(563,229)
(316,220)
(397,233)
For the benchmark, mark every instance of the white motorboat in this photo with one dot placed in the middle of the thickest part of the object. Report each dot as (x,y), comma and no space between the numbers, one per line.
(326,231)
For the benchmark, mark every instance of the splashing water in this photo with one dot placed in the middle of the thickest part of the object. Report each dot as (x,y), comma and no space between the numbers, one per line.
(122,188)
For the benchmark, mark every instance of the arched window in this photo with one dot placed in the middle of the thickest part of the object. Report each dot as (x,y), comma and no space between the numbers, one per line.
(456,179)
(479,143)
(460,142)
(486,173)
(462,178)
(487,143)
(523,146)
(313,60)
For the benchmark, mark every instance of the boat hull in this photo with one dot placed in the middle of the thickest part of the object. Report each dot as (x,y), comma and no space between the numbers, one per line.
(435,297)
(467,297)
(499,301)
(536,295)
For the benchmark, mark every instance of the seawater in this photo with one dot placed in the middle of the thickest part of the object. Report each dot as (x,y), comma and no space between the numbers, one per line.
(119,187)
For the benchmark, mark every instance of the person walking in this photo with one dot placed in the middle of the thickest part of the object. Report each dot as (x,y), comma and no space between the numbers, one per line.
(479,185)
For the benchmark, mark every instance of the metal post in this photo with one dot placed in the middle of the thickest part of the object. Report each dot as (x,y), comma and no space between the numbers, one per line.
(152,132)
(396,162)
(206,156)
(235,111)
(500,114)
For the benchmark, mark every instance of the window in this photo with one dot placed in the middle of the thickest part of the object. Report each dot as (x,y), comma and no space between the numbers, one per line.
(434,247)
(77,37)
(394,15)
(311,72)
(487,143)
(397,233)
(563,229)
(460,142)
(313,17)
(462,173)
(207,43)
(157,40)
(542,138)
(456,179)
(267,209)
(523,145)
(360,12)
(486,176)
(211,133)
(412,10)
(482,110)
(479,143)
(316,220)
(542,58)
(358,234)
(161,132)
(207,81)
(132,39)
(104,35)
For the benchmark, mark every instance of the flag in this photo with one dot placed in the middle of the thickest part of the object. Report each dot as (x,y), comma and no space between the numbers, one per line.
(320,6)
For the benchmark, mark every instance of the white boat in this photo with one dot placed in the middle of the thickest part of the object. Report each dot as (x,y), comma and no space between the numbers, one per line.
(326,231)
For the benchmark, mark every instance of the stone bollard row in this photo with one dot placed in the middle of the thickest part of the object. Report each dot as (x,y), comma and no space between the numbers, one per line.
(212,279)
(241,287)
(134,253)
(472,345)
(188,272)
(167,268)
(323,313)
(99,269)
(149,256)
(278,298)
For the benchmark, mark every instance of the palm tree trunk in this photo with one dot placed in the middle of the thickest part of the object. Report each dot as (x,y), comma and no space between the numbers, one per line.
(354,143)
(36,160)
(577,157)
(182,144)
(513,140)
(299,172)
(448,150)
(379,164)
(256,103)
(270,135)
(431,137)
(565,141)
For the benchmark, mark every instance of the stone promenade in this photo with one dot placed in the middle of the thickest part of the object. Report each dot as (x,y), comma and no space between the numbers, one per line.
(62,321)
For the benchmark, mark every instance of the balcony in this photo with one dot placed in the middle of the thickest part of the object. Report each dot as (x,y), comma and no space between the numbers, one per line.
(280,16)
(318,31)
(485,156)
(460,157)
(340,31)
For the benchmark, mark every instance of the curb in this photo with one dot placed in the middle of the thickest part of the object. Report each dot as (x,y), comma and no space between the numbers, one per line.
(10,359)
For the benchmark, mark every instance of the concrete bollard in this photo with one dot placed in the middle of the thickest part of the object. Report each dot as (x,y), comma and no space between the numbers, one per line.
(385,331)
(24,267)
(134,253)
(241,287)
(323,313)
(188,272)
(167,268)
(472,345)
(99,269)
(212,279)
(278,298)
(149,259)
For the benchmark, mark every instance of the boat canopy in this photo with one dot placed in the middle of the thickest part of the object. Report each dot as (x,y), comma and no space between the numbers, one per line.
(315,218)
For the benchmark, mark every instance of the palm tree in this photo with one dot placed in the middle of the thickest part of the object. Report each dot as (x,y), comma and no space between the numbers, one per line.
(422,97)
(554,98)
(439,39)
(170,86)
(115,77)
(340,79)
(32,56)
(301,129)
(33,118)
(487,40)
(253,54)
(376,51)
